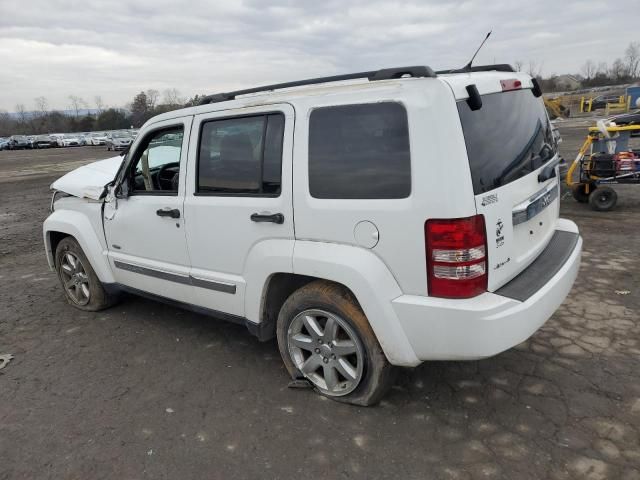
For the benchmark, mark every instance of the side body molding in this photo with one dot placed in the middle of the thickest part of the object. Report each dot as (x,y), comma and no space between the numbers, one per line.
(370,281)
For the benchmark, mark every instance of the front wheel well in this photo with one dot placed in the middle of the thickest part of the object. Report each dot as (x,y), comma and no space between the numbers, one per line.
(54,239)
(279,287)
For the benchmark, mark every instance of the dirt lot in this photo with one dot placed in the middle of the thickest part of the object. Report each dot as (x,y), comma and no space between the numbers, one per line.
(148,391)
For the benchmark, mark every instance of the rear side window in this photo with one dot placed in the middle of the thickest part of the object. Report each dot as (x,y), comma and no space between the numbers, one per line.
(241,156)
(508,138)
(359,152)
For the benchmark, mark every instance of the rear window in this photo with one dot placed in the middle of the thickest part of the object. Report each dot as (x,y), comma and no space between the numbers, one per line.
(359,152)
(508,138)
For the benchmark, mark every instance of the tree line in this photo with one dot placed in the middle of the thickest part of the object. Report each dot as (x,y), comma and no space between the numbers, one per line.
(622,70)
(83,117)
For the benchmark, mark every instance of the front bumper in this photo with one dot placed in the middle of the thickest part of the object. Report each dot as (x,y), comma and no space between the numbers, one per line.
(480,327)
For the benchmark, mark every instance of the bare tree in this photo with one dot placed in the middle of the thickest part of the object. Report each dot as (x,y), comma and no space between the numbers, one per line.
(602,69)
(589,69)
(152,98)
(618,69)
(6,123)
(171,96)
(632,55)
(77,104)
(534,69)
(99,103)
(518,64)
(42,106)
(21,110)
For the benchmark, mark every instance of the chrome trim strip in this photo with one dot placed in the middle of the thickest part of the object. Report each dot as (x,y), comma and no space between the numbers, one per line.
(174,277)
(536,204)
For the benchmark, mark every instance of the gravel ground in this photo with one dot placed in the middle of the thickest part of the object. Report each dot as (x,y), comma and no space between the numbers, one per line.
(144,390)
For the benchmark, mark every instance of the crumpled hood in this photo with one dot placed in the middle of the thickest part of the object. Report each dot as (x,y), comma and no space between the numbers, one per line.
(89,181)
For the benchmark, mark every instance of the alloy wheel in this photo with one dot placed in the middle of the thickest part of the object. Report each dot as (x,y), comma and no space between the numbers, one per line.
(328,352)
(75,279)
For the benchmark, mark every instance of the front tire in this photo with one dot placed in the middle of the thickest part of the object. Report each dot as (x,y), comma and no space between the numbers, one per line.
(325,337)
(81,285)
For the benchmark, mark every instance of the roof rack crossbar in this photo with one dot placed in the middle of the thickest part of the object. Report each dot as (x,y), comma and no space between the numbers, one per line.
(499,67)
(372,76)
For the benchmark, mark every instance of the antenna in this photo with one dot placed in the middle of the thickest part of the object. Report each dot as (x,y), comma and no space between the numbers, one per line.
(467,67)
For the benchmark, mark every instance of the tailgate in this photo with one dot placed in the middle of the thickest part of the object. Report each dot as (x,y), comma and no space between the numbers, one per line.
(513,162)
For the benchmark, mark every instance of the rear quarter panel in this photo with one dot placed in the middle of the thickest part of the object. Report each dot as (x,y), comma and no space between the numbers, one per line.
(441,183)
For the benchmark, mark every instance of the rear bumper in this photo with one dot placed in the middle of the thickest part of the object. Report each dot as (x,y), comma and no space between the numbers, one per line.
(441,329)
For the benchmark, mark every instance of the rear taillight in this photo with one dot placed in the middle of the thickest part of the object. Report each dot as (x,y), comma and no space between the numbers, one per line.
(456,257)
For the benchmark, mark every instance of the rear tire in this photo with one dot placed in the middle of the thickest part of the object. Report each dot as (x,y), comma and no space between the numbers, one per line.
(81,285)
(322,330)
(579,192)
(604,199)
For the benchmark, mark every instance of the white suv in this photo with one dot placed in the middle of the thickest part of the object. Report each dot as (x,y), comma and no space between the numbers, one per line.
(366,220)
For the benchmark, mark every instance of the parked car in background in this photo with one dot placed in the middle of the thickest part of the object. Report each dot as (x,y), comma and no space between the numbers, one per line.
(118,140)
(97,138)
(601,101)
(4,143)
(42,141)
(631,118)
(70,140)
(17,142)
(57,139)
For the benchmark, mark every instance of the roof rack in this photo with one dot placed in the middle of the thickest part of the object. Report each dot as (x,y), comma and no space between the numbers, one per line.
(372,76)
(499,67)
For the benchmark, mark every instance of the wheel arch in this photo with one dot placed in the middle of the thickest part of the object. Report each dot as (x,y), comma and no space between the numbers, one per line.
(356,269)
(68,223)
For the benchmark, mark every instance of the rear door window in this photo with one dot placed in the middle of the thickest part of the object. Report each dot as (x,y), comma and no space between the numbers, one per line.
(359,152)
(506,139)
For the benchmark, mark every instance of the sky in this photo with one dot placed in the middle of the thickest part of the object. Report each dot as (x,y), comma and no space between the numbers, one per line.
(114,49)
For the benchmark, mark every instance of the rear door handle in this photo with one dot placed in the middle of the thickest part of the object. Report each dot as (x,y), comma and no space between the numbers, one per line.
(168,212)
(267,217)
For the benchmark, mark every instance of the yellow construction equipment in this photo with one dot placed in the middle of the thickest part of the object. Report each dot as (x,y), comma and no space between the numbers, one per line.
(604,158)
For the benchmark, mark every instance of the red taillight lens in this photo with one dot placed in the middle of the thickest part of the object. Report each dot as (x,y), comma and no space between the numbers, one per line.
(511,84)
(456,257)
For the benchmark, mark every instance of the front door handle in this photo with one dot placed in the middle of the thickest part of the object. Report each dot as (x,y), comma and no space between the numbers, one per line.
(267,217)
(168,212)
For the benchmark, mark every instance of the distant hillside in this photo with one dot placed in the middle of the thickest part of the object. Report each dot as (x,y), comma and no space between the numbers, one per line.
(69,113)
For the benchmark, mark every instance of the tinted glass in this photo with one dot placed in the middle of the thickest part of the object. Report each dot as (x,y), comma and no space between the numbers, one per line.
(241,155)
(508,138)
(359,151)
(157,164)
(272,167)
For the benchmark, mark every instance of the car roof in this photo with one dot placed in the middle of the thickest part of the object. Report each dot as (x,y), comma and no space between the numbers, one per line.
(486,81)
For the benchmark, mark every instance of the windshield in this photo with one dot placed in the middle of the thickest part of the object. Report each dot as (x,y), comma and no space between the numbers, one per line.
(506,139)
(120,135)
